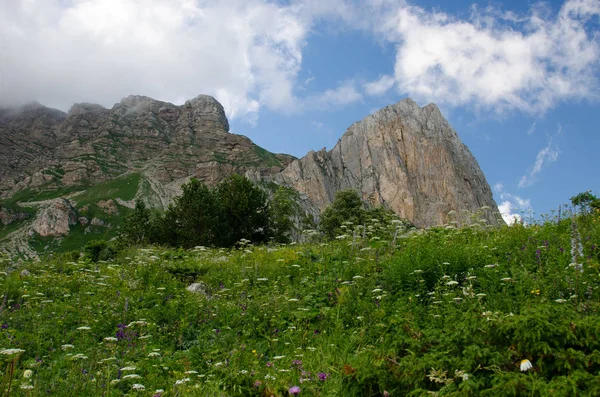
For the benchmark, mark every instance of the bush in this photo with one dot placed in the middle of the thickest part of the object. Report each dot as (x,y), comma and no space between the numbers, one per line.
(93,249)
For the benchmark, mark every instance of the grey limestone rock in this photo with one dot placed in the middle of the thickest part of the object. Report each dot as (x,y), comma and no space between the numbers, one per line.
(404,157)
(55,219)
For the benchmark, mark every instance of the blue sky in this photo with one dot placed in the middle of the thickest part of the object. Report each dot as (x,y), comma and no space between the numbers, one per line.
(518,80)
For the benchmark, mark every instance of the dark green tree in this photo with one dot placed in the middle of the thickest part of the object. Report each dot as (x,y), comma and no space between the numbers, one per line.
(346,207)
(245,212)
(136,227)
(283,210)
(586,200)
(193,218)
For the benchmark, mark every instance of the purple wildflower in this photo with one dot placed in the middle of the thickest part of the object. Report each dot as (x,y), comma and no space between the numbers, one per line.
(323,376)
(297,363)
(294,390)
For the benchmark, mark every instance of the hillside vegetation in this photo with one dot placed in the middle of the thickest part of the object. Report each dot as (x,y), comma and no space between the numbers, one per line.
(470,311)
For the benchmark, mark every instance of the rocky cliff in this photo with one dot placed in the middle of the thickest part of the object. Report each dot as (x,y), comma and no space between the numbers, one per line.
(81,170)
(404,157)
(46,149)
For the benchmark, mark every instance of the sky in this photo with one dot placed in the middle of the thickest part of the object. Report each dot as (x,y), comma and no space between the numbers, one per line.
(517,79)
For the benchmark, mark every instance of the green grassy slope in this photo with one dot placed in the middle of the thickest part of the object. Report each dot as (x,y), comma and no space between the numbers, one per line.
(449,313)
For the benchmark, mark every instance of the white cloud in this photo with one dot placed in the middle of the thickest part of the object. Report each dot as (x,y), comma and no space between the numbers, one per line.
(344,94)
(381,86)
(493,59)
(511,207)
(547,155)
(247,53)
(531,129)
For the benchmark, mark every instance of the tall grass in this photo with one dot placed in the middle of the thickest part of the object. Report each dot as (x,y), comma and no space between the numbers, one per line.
(448,312)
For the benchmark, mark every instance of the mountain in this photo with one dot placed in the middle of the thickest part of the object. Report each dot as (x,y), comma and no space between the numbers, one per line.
(46,149)
(404,157)
(66,178)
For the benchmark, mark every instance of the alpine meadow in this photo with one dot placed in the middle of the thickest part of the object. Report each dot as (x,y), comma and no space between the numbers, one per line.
(299,198)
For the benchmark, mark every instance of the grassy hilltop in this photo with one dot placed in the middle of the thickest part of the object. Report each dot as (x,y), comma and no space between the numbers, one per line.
(448,312)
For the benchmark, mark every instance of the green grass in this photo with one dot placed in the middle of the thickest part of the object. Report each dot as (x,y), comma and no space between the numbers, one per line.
(124,187)
(449,312)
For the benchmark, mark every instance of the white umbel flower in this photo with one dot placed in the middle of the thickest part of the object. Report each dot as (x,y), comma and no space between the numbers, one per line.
(526,365)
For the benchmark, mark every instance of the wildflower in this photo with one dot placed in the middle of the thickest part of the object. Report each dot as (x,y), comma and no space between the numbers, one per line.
(138,387)
(27,387)
(127,369)
(535,291)
(154,354)
(84,328)
(182,381)
(560,300)
(526,365)
(294,390)
(11,352)
(293,300)
(452,283)
(507,279)
(322,376)
(132,376)
(278,357)
(27,373)
(110,339)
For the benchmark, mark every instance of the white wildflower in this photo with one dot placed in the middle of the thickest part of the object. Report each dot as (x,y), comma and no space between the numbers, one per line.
(526,365)
(11,352)
(132,376)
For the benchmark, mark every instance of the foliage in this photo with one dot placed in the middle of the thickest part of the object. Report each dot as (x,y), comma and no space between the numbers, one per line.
(586,200)
(235,209)
(347,208)
(284,209)
(477,311)
(137,225)
(96,250)
(244,211)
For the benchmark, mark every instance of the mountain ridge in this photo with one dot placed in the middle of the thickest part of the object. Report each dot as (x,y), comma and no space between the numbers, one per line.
(405,157)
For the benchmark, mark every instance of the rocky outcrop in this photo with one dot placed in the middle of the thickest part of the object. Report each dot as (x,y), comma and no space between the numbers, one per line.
(55,219)
(404,157)
(45,149)
(108,206)
(8,216)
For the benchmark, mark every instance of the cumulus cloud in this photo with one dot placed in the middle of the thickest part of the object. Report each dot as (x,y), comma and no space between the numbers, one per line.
(344,94)
(247,53)
(511,207)
(547,155)
(493,59)
(380,86)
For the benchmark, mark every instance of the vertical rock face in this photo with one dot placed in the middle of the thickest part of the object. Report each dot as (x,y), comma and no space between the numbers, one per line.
(404,157)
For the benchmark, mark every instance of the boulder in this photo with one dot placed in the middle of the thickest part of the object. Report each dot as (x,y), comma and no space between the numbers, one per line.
(55,219)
